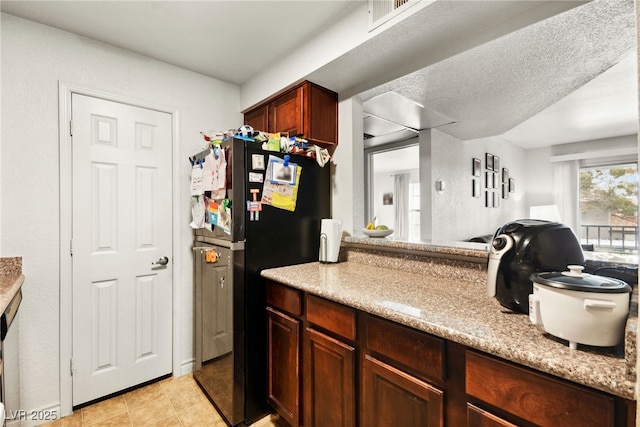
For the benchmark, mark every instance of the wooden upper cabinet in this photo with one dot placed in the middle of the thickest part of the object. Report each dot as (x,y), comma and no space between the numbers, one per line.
(258,118)
(286,113)
(307,110)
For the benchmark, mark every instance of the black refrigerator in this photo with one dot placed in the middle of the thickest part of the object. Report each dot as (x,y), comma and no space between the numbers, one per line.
(229,294)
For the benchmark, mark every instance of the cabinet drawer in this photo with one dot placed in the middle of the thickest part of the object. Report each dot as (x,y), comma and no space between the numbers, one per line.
(414,349)
(284,298)
(476,417)
(332,316)
(534,396)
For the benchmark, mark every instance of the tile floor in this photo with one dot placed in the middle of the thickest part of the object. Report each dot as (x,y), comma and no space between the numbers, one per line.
(170,402)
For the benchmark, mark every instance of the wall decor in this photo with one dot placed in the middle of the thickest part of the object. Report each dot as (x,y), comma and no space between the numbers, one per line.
(497,180)
(475,187)
(488,180)
(475,168)
(387,199)
(488,161)
(505,175)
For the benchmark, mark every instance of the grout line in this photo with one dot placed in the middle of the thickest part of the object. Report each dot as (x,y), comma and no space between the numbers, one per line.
(164,392)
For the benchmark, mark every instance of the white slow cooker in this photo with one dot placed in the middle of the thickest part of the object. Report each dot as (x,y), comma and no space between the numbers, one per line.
(579,307)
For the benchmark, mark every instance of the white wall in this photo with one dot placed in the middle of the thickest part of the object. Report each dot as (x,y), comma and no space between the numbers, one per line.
(456,215)
(347,191)
(35,58)
(343,35)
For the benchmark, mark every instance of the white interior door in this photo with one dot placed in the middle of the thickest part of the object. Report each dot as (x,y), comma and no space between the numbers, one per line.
(122,295)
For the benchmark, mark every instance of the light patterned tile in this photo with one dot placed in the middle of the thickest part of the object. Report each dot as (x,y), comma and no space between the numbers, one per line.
(73,420)
(172,402)
(121,420)
(200,414)
(272,420)
(184,393)
(157,410)
(158,421)
(103,410)
(143,395)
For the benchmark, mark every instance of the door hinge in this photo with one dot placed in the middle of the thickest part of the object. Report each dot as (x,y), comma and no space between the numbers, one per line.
(70,127)
(71,366)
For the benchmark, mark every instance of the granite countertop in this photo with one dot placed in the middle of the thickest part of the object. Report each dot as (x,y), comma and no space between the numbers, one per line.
(11,279)
(461,311)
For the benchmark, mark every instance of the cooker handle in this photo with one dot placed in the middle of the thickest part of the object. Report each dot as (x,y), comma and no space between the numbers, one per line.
(534,308)
(598,304)
(499,246)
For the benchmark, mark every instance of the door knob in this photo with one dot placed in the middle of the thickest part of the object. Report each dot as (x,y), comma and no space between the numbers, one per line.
(161,261)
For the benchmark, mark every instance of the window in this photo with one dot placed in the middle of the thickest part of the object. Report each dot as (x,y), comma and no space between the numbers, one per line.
(393,189)
(608,207)
(414,211)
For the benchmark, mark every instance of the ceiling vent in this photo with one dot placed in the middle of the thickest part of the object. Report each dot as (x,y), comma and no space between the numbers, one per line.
(381,11)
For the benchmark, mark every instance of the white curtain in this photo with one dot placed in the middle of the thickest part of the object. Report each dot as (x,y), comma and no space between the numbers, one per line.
(401,202)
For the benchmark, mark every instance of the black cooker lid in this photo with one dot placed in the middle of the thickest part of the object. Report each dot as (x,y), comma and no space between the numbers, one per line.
(575,280)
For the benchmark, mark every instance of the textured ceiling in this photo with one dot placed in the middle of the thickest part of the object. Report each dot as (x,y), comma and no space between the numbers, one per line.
(492,67)
(493,88)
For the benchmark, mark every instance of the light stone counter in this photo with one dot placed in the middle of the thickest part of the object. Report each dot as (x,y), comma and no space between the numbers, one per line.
(428,297)
(11,279)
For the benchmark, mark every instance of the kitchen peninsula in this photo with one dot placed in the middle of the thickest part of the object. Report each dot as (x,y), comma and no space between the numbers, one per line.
(482,362)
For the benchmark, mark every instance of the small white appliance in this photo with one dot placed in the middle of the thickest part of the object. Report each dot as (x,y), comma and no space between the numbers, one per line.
(330,238)
(579,307)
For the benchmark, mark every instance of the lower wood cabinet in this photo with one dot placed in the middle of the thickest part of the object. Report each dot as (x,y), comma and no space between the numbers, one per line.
(330,365)
(534,397)
(391,397)
(477,417)
(283,361)
(330,382)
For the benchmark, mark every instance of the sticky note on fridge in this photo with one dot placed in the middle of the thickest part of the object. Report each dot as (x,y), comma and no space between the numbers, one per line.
(256,177)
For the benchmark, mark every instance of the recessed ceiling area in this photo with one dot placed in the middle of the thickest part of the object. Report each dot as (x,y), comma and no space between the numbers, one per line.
(569,78)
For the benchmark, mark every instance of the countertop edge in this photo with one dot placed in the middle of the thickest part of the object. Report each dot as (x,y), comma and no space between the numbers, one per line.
(10,285)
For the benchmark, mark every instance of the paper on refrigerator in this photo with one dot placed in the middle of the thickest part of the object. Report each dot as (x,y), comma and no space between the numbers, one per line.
(279,195)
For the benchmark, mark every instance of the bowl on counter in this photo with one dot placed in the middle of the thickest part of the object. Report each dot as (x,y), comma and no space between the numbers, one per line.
(377,233)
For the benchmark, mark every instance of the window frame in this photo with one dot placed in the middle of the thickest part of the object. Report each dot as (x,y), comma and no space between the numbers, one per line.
(605,162)
(368,168)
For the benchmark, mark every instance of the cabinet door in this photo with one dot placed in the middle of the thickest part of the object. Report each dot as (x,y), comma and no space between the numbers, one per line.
(476,417)
(285,113)
(330,399)
(258,119)
(321,118)
(391,397)
(535,397)
(283,385)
